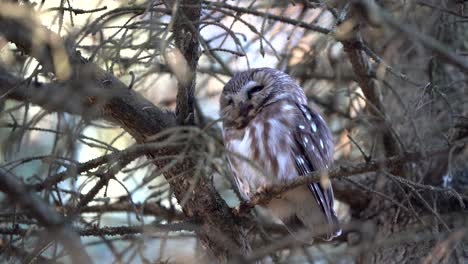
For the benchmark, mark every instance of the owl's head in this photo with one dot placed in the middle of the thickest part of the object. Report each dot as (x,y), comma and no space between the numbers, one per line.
(249,92)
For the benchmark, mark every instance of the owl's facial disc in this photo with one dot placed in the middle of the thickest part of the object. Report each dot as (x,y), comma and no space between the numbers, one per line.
(249,92)
(241,106)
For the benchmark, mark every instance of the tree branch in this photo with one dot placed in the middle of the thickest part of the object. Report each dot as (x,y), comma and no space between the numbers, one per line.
(146,208)
(377,15)
(96,93)
(286,20)
(113,230)
(186,36)
(51,220)
(220,233)
(336,173)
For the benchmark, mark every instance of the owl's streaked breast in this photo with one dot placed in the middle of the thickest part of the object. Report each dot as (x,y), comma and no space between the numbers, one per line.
(261,151)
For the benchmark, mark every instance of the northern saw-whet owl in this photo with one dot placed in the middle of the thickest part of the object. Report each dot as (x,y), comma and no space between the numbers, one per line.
(274,137)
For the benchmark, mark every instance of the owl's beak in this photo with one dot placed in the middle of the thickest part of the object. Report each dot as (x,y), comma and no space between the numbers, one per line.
(244,109)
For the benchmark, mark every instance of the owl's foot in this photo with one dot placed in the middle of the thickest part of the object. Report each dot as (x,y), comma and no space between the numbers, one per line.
(262,189)
(237,209)
(265,192)
(242,208)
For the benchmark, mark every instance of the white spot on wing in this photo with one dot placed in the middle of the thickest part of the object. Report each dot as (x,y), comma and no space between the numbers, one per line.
(308,116)
(301,127)
(303,109)
(313,126)
(306,140)
(300,160)
(321,143)
(287,107)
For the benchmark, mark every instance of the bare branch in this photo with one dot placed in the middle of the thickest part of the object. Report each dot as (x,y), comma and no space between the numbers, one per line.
(340,172)
(287,20)
(376,14)
(146,208)
(113,230)
(50,219)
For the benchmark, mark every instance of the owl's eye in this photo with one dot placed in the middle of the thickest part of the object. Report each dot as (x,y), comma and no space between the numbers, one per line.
(254,90)
(230,101)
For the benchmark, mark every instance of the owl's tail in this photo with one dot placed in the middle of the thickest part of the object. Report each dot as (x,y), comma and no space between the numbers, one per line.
(325,199)
(335,229)
(299,209)
(328,231)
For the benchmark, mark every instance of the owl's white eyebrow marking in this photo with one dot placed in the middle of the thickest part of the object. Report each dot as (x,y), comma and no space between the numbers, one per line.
(301,126)
(321,143)
(250,84)
(313,126)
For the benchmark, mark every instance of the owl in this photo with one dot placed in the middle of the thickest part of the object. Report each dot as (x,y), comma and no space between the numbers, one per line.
(273,137)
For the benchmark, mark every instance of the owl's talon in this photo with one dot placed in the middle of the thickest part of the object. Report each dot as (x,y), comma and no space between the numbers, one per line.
(236,210)
(262,189)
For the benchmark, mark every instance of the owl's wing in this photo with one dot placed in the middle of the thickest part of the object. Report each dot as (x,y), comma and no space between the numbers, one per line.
(314,151)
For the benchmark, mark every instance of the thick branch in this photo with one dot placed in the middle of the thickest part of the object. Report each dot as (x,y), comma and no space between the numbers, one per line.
(360,64)
(186,36)
(221,234)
